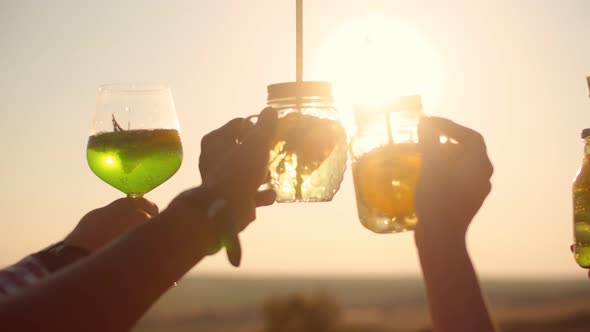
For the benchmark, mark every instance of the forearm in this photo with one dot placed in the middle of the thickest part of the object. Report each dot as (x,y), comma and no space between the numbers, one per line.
(25,273)
(454,295)
(141,266)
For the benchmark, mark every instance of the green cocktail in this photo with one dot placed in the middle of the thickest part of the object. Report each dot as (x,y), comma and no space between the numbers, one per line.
(135,161)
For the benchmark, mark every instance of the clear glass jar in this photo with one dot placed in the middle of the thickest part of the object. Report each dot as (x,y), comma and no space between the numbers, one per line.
(386,164)
(308,155)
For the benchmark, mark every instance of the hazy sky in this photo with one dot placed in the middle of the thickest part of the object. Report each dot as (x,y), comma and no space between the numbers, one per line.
(514,70)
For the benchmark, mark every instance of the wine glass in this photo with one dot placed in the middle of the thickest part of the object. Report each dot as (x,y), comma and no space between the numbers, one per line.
(134,143)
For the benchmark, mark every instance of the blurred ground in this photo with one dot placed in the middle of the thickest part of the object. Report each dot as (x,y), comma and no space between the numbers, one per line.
(327,304)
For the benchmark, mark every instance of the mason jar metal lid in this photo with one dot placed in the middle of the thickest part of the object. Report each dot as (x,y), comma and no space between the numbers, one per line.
(585,133)
(300,90)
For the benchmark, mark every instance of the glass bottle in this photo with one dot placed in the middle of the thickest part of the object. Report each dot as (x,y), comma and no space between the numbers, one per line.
(581,202)
(386,164)
(308,155)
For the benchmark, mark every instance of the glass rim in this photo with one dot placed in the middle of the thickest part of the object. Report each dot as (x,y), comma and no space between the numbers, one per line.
(133,87)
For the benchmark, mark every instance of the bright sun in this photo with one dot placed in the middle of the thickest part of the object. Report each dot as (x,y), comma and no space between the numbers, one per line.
(373,59)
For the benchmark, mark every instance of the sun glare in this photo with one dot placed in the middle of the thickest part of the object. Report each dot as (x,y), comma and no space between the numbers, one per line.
(373,59)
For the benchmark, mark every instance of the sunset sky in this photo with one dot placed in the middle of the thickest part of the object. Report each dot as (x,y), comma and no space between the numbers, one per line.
(513,70)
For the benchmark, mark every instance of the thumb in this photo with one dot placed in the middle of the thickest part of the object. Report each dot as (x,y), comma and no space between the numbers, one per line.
(429,142)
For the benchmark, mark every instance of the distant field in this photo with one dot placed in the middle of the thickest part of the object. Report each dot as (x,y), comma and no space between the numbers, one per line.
(228,304)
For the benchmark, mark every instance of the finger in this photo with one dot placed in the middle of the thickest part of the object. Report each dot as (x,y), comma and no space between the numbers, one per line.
(476,193)
(473,167)
(428,140)
(123,205)
(213,155)
(253,118)
(450,151)
(463,135)
(217,143)
(263,130)
(265,197)
(428,134)
(267,177)
(138,217)
(144,205)
(481,165)
(457,132)
(262,134)
(472,141)
(267,118)
(245,129)
(254,151)
(488,167)
(227,133)
(475,177)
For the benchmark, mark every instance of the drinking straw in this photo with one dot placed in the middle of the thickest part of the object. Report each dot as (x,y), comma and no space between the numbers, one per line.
(299,39)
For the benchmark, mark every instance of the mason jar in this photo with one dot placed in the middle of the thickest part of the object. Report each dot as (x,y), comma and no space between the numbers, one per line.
(386,164)
(309,151)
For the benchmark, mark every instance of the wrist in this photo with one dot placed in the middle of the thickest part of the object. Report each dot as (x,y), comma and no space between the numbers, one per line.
(446,237)
(193,209)
(196,200)
(213,188)
(60,255)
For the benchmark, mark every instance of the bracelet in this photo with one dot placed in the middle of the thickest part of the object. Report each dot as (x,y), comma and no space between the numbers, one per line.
(217,210)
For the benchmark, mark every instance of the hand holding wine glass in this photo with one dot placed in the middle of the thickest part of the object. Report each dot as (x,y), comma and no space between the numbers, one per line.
(103,225)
